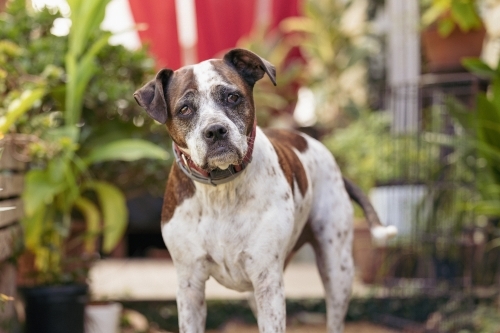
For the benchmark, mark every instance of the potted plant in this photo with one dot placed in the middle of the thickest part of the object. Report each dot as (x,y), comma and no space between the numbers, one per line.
(60,187)
(453,30)
(333,48)
(480,144)
(275,106)
(394,170)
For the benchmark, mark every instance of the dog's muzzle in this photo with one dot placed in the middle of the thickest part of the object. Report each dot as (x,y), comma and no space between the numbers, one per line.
(217,176)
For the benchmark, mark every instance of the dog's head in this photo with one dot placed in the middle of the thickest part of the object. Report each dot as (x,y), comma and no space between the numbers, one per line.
(208,107)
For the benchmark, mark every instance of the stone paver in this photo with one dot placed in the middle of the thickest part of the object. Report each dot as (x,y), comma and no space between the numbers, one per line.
(155,280)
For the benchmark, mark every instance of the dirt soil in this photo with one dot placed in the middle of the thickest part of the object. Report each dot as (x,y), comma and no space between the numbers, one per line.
(359,327)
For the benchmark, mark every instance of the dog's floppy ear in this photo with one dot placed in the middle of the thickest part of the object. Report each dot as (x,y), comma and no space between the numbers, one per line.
(152,96)
(250,66)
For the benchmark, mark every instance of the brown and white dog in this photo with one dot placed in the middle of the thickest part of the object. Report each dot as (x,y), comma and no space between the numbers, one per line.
(240,201)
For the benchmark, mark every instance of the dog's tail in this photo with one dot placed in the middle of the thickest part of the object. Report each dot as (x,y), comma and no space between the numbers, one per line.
(380,233)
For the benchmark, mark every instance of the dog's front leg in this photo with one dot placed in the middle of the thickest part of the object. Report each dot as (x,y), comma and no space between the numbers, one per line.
(191,304)
(269,296)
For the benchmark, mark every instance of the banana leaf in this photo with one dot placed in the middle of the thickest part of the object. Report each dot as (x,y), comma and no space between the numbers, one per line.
(114,212)
(126,150)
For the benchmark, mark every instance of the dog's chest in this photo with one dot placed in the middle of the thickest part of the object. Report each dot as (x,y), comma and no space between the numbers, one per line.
(221,234)
(226,231)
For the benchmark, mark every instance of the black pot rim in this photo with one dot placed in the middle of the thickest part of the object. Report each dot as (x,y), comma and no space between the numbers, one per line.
(43,290)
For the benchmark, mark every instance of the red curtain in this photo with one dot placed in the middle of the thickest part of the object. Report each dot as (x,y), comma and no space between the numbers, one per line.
(220,23)
(283,9)
(161,33)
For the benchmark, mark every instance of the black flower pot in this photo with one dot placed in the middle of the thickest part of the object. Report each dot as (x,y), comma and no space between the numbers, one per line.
(55,309)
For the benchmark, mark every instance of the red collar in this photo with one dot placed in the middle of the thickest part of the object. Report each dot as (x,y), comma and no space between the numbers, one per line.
(217,176)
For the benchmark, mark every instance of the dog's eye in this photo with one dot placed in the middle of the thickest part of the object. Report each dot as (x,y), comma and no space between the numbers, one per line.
(233,98)
(185,110)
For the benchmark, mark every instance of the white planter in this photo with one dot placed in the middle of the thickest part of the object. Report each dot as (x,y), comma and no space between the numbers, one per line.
(102,318)
(400,206)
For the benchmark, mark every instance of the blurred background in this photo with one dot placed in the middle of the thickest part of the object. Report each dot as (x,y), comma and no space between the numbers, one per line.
(404,93)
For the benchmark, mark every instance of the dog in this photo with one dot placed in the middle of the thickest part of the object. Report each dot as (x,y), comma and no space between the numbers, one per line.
(240,201)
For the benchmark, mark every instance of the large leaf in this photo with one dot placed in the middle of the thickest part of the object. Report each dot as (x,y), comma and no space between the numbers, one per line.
(114,212)
(489,118)
(465,14)
(86,16)
(20,106)
(92,218)
(80,71)
(126,150)
(33,227)
(434,12)
(58,133)
(477,66)
(488,207)
(39,190)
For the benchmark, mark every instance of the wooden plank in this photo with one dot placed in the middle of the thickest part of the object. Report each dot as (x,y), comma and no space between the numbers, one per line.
(8,288)
(8,238)
(8,160)
(11,185)
(10,216)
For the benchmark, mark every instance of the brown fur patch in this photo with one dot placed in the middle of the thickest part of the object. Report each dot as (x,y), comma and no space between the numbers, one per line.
(232,77)
(181,81)
(283,141)
(289,137)
(179,188)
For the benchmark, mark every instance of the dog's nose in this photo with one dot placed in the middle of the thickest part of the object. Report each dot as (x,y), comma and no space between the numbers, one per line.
(215,132)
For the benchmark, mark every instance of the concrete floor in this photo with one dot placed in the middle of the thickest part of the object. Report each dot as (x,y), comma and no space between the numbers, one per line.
(155,280)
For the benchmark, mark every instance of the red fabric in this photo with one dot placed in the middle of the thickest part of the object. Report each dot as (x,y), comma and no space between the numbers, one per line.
(161,33)
(282,9)
(221,23)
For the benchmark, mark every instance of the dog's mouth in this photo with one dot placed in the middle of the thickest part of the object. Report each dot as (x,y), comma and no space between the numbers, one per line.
(222,156)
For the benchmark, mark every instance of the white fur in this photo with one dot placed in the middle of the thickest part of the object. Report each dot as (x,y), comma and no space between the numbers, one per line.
(241,232)
(381,234)
(209,113)
(245,224)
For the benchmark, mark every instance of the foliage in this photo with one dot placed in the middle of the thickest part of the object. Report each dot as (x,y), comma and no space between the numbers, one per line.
(370,154)
(109,109)
(3,300)
(482,130)
(449,14)
(61,183)
(332,40)
(277,48)
(463,314)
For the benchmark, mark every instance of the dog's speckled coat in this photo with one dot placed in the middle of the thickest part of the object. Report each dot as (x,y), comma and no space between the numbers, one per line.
(243,232)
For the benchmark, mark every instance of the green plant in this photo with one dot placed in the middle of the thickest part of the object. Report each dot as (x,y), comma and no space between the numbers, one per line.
(20,92)
(332,39)
(370,154)
(4,299)
(450,14)
(276,47)
(464,314)
(482,128)
(109,109)
(61,184)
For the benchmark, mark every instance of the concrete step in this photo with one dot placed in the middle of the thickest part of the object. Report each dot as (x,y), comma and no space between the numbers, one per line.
(156,280)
